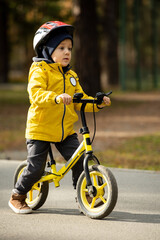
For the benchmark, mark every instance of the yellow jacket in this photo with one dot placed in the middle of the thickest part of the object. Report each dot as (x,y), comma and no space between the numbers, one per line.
(47,120)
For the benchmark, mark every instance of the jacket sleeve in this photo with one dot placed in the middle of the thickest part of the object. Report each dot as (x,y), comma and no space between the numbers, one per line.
(89,106)
(37,89)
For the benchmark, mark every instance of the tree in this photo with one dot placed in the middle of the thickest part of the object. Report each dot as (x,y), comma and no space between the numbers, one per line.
(87,47)
(110,34)
(3,42)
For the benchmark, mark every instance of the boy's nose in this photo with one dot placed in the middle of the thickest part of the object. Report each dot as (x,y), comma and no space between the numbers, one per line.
(67,50)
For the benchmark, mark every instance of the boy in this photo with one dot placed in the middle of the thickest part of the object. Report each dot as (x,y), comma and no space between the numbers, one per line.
(50,78)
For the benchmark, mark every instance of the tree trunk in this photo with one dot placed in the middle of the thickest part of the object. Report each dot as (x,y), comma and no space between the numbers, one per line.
(3,42)
(86,47)
(110,33)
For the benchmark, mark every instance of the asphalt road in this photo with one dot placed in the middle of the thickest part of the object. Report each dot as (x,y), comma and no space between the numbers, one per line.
(135,217)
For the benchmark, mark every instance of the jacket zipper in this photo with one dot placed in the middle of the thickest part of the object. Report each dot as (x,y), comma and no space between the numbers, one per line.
(64,88)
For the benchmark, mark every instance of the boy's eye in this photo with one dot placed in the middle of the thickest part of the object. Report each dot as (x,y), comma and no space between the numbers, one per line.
(62,48)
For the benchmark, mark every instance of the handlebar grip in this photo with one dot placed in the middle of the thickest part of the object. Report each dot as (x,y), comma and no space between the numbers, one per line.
(100,96)
(107,94)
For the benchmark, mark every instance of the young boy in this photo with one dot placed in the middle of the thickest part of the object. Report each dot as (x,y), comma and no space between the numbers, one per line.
(50,78)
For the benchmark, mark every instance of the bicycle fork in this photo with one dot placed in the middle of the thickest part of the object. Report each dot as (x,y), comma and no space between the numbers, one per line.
(89,153)
(89,156)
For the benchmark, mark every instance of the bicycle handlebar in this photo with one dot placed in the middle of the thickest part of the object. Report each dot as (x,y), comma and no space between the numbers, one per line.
(77,98)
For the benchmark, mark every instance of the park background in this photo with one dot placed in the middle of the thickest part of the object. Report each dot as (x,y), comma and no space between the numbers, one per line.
(116,47)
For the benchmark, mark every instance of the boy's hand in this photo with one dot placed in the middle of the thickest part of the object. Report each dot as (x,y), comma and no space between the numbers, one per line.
(66,99)
(106,102)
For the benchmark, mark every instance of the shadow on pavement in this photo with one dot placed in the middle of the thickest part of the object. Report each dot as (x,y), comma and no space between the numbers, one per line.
(114,216)
(59,211)
(134,217)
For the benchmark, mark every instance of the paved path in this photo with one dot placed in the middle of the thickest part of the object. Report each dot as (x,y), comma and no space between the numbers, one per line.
(135,217)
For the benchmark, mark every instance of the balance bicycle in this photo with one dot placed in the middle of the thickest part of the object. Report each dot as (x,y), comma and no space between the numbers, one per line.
(97,189)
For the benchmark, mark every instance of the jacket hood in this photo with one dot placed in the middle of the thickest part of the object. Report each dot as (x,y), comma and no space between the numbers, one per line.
(44,55)
(39,59)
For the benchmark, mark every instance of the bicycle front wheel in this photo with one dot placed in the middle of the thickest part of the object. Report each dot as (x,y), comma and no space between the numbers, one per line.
(106,192)
(37,196)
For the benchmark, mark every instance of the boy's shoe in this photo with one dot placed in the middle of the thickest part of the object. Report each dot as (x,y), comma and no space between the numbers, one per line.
(18,205)
(98,201)
(89,199)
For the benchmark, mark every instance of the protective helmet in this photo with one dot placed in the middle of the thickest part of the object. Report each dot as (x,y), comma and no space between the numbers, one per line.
(44,32)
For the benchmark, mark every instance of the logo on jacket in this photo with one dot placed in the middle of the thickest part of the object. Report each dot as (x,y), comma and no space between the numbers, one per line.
(73,81)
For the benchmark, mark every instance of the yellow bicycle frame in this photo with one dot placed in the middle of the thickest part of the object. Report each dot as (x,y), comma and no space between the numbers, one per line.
(55,176)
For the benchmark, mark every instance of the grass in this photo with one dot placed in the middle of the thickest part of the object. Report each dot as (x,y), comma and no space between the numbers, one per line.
(136,153)
(13,112)
(12,97)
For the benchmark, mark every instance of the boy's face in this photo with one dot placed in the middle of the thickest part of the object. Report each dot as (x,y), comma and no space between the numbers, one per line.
(62,53)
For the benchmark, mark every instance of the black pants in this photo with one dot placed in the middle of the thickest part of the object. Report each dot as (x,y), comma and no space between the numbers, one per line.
(36,162)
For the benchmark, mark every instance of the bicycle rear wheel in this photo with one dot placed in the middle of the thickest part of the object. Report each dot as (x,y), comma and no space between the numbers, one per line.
(37,196)
(106,189)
